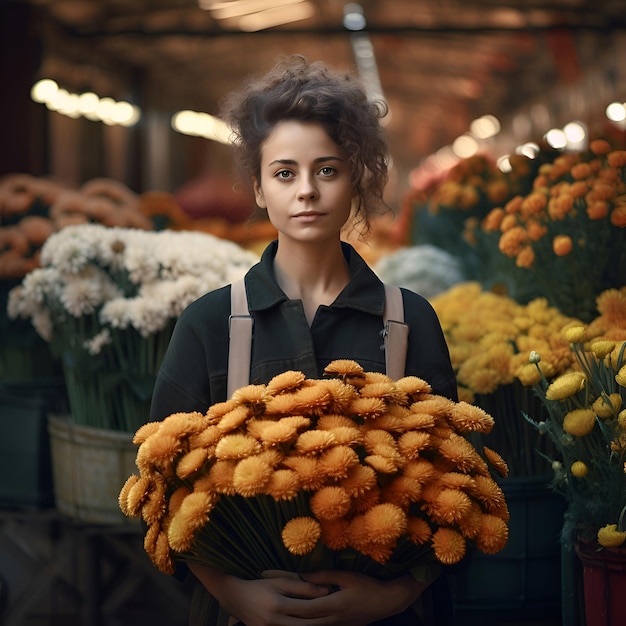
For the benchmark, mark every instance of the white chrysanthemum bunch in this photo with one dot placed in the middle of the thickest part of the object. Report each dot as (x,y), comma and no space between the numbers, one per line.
(425,269)
(132,278)
(107,298)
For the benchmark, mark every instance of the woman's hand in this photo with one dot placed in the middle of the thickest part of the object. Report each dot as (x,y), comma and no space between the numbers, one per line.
(286,599)
(281,599)
(360,599)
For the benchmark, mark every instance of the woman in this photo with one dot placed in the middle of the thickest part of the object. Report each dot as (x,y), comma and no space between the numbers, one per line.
(311,146)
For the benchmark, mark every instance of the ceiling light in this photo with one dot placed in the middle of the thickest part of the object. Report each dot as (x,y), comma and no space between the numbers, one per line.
(353,18)
(464,146)
(616,111)
(238,8)
(276,17)
(485,127)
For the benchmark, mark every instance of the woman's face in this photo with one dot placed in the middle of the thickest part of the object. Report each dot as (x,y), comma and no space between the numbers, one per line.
(305,182)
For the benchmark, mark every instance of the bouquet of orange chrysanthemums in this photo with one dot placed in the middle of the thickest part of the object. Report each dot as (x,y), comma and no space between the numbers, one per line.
(353,471)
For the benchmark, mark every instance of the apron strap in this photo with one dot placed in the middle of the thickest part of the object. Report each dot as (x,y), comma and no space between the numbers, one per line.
(240,337)
(240,322)
(395,333)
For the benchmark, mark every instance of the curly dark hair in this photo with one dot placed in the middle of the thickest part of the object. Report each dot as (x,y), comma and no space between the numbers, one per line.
(310,92)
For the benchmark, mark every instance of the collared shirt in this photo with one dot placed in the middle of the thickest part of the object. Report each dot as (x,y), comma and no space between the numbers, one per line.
(194,372)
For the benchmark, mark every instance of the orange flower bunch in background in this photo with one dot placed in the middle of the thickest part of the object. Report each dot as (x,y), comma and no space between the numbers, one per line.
(569,232)
(353,471)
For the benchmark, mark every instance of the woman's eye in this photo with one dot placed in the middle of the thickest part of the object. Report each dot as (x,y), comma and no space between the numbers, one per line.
(285,174)
(327,171)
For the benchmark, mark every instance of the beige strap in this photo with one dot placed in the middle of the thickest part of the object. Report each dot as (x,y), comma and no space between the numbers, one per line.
(395,333)
(240,334)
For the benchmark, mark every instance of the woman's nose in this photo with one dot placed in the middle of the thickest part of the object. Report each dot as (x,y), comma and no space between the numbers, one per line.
(306,188)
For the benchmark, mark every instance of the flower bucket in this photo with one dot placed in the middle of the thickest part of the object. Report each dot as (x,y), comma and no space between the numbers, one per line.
(525,577)
(25,465)
(604,584)
(90,466)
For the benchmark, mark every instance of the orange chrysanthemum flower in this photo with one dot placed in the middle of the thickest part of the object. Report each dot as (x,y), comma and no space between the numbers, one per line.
(330,503)
(192,515)
(347,435)
(155,506)
(470,418)
(236,446)
(301,534)
(488,492)
(366,501)
(335,533)
(496,461)
(413,386)
(360,478)
(598,210)
(137,494)
(251,475)
(145,431)
(336,462)
(332,421)
(455,480)
(418,530)
(306,468)
(286,381)
(449,546)
(122,498)
(341,394)
(617,158)
(471,523)
(176,499)
(367,408)
(525,257)
(451,505)
(215,412)
(384,523)
(250,394)
(233,419)
(437,406)
(181,425)
(205,438)
(221,476)
(344,368)
(461,452)
(402,491)
(421,470)
(158,450)
(191,462)
(411,444)
(161,555)
(283,484)
(314,441)
(382,464)
(493,535)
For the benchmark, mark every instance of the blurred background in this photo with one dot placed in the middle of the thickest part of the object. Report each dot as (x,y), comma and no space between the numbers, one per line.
(458,75)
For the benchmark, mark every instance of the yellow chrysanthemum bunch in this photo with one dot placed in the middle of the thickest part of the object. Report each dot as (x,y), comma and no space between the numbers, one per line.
(353,471)
(586,409)
(492,339)
(570,230)
(491,336)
